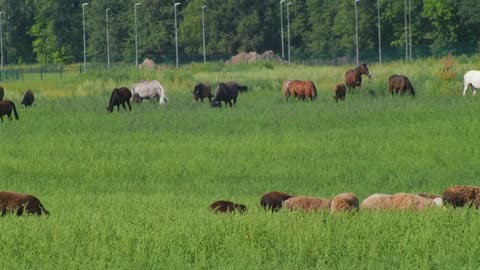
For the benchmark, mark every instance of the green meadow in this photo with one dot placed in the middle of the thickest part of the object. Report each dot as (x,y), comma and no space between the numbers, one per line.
(130,190)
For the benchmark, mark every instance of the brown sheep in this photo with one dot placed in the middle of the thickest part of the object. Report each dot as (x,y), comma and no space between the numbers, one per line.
(340,92)
(16,202)
(459,196)
(399,201)
(273,200)
(227,207)
(344,202)
(307,204)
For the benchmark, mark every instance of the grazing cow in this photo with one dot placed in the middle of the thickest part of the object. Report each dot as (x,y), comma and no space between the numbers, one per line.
(273,200)
(340,92)
(399,201)
(302,89)
(149,90)
(226,92)
(471,78)
(344,202)
(28,98)
(120,96)
(227,207)
(201,91)
(2,93)
(399,84)
(353,77)
(307,204)
(20,203)
(6,108)
(459,196)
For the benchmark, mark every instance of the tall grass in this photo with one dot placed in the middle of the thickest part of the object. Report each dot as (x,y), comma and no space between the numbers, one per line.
(130,190)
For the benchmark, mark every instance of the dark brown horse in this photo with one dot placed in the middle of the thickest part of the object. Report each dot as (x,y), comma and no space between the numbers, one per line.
(340,92)
(353,77)
(6,108)
(20,203)
(120,96)
(28,98)
(399,84)
(273,200)
(227,207)
(201,91)
(301,89)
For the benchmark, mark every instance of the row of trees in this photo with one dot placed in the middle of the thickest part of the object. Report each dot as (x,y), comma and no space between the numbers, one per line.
(50,31)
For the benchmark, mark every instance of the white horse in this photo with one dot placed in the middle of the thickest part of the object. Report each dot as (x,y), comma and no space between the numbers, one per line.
(471,78)
(149,89)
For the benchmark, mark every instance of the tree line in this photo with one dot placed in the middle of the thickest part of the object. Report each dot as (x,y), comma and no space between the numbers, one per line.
(51,31)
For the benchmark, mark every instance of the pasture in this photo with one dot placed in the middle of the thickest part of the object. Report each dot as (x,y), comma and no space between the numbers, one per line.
(131,190)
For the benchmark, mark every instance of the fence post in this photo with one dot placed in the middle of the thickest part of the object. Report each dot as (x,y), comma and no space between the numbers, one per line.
(41,73)
(61,73)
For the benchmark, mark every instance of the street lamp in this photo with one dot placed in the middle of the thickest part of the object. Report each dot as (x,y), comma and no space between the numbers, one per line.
(176,34)
(281,27)
(379,34)
(203,30)
(356,27)
(108,41)
(406,28)
(84,43)
(1,39)
(136,42)
(288,29)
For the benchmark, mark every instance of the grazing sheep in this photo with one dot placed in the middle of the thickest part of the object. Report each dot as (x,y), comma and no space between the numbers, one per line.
(400,201)
(16,202)
(273,200)
(344,202)
(227,207)
(307,204)
(459,196)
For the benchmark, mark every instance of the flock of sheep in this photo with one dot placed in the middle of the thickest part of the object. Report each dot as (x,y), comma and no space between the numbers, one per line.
(457,196)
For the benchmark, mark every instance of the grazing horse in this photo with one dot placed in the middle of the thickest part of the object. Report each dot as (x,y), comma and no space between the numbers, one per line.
(353,77)
(471,78)
(6,108)
(302,89)
(399,84)
(285,90)
(340,92)
(2,93)
(149,89)
(201,91)
(20,203)
(28,98)
(120,96)
(226,92)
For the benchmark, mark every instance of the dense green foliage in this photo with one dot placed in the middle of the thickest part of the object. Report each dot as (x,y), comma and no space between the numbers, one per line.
(50,31)
(130,190)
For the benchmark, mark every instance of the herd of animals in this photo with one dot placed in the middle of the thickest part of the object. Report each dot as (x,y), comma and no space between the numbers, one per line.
(456,196)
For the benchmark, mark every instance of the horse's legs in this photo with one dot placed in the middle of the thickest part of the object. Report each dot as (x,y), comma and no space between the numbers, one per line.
(230,103)
(1,117)
(129,106)
(118,107)
(465,87)
(235,101)
(124,107)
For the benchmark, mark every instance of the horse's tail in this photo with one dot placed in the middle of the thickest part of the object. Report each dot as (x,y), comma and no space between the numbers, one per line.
(162,95)
(14,110)
(315,94)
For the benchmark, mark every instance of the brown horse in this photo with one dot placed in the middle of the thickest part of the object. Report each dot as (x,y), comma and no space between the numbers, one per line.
(340,92)
(6,108)
(120,96)
(353,77)
(201,91)
(399,84)
(28,98)
(20,203)
(301,89)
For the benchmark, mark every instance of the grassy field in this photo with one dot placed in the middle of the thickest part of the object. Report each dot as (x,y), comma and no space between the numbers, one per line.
(131,190)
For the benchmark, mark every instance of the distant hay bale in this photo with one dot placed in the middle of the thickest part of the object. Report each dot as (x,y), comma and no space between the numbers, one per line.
(147,64)
(252,57)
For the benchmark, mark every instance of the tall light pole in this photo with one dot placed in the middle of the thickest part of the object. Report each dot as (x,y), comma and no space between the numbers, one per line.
(203,31)
(288,29)
(356,27)
(410,26)
(1,39)
(406,29)
(84,42)
(136,41)
(176,34)
(108,41)
(281,27)
(379,34)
